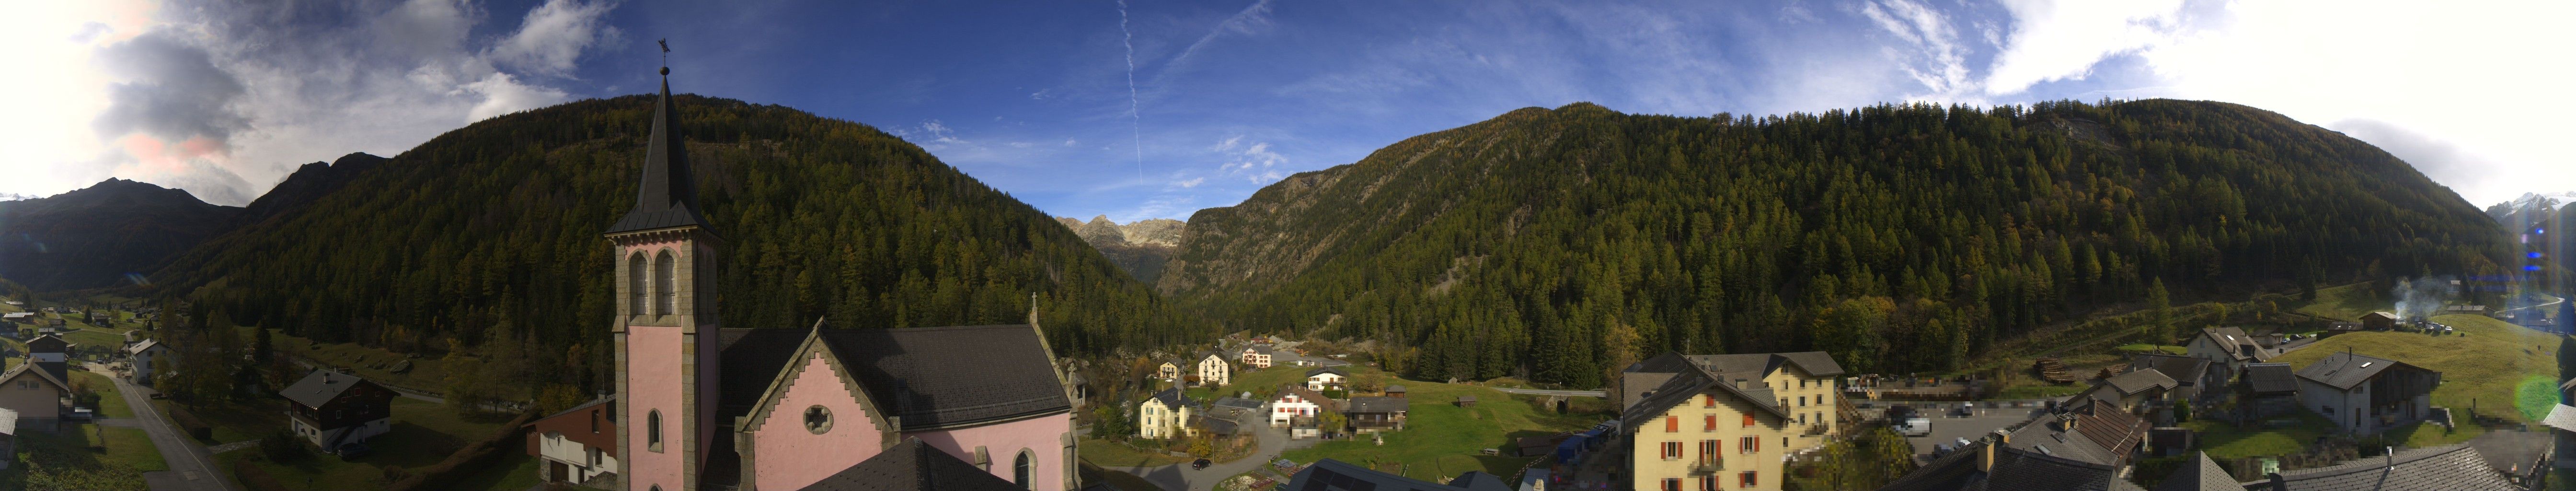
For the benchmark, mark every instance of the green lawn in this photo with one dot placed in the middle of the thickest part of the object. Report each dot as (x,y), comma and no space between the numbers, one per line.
(2143,347)
(111,402)
(423,434)
(2344,303)
(1114,454)
(521,474)
(234,422)
(2421,435)
(2487,369)
(427,372)
(2224,441)
(131,446)
(1442,440)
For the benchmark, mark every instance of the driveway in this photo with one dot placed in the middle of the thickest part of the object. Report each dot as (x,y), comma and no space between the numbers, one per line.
(1180,477)
(1949,429)
(191,467)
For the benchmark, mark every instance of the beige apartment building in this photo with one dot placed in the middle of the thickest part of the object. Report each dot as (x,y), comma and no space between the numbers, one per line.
(1712,422)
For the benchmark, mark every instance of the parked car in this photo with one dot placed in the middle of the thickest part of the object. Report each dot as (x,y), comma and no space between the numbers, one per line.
(1915,427)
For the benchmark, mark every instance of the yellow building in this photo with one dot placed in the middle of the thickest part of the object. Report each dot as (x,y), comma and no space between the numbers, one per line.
(1712,422)
(1165,415)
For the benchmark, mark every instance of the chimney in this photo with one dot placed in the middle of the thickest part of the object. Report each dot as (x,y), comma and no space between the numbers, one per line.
(1986,454)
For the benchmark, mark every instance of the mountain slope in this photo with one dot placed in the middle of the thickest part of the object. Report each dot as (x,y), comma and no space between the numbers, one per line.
(309,183)
(95,236)
(1138,248)
(495,229)
(1562,243)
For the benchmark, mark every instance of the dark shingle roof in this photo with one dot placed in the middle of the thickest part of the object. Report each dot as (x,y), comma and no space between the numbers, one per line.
(1816,363)
(320,387)
(2103,434)
(1333,475)
(2271,378)
(2344,369)
(1393,388)
(2201,474)
(667,196)
(1171,397)
(2185,370)
(914,372)
(2445,468)
(1324,370)
(2140,381)
(912,465)
(1379,405)
(1326,404)
(1690,383)
(2015,469)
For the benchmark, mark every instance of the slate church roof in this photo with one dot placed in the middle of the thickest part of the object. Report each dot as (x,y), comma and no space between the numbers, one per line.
(668,196)
(928,377)
(912,465)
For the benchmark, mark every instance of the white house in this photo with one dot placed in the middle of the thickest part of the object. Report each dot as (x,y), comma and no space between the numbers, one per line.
(1327,378)
(576,445)
(2230,348)
(1256,357)
(1213,370)
(1162,416)
(1295,402)
(143,354)
(2364,394)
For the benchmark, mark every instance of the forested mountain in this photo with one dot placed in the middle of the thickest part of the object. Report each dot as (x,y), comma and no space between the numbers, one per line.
(309,182)
(1139,248)
(492,231)
(96,236)
(1560,244)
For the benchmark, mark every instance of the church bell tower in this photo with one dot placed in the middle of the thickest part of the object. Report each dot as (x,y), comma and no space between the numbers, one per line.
(666,330)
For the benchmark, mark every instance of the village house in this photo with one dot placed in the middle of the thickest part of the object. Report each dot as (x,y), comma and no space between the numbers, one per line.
(2364,394)
(2193,380)
(2138,392)
(705,406)
(1722,421)
(2379,321)
(1231,420)
(1327,378)
(19,317)
(35,396)
(2228,350)
(1213,370)
(1163,415)
(577,445)
(1297,401)
(1373,414)
(331,409)
(145,356)
(1170,371)
(1393,390)
(2267,390)
(1256,357)
(2443,468)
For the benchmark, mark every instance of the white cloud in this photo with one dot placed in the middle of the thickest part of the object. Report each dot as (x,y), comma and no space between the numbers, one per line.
(1070,142)
(1191,182)
(1939,63)
(2056,40)
(503,94)
(554,35)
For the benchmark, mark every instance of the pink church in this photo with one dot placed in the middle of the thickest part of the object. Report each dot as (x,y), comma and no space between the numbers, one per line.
(707,407)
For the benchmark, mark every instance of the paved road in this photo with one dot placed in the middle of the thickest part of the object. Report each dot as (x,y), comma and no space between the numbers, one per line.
(1950,430)
(191,467)
(1545,392)
(1180,477)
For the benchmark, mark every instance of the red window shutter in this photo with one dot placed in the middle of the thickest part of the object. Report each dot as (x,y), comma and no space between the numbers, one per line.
(1672,484)
(1711,422)
(1707,400)
(1748,420)
(1750,480)
(1672,424)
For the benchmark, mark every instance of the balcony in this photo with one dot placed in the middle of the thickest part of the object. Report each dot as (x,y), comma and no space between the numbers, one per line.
(1816,430)
(1707,464)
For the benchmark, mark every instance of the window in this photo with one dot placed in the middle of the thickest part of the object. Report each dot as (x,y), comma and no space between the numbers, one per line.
(1710,424)
(1020,468)
(1672,484)
(1802,419)
(1708,450)
(1672,450)
(1748,420)
(1750,444)
(635,276)
(1707,400)
(1672,424)
(594,421)
(1802,401)
(664,271)
(653,430)
(1746,479)
(818,419)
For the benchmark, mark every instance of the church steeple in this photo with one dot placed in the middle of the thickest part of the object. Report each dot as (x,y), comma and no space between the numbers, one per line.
(667,197)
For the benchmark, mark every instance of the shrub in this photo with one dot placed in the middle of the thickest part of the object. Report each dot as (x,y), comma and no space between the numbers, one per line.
(188,422)
(283,447)
(253,477)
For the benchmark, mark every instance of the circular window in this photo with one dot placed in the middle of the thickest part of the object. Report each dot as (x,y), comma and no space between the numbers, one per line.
(818,419)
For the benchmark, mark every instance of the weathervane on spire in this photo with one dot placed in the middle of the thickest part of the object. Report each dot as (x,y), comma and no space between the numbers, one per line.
(666,55)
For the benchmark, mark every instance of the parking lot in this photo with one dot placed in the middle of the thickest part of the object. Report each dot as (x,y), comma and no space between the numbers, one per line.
(1948,426)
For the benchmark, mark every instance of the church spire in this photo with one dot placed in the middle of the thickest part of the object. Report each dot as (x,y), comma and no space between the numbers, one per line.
(667,197)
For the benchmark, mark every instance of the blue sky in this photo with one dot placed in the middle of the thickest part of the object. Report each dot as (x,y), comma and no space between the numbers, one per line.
(1036,98)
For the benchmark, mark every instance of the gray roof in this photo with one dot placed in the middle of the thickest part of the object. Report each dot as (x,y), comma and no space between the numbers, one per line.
(1334,475)
(914,372)
(1393,388)
(140,346)
(2015,469)
(2562,417)
(1692,381)
(2271,378)
(912,465)
(1171,397)
(320,387)
(1816,363)
(2103,434)
(1311,372)
(2185,370)
(667,196)
(612,414)
(2238,345)
(1379,405)
(2140,381)
(2445,468)
(1237,402)
(2201,474)
(2344,369)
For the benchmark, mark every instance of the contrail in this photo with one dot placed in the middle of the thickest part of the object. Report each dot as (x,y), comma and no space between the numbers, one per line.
(1135,118)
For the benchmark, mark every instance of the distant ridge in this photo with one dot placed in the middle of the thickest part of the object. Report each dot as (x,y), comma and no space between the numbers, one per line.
(1139,248)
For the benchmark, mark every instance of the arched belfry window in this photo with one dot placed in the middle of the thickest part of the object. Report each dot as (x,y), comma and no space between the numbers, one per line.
(1020,468)
(635,275)
(666,284)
